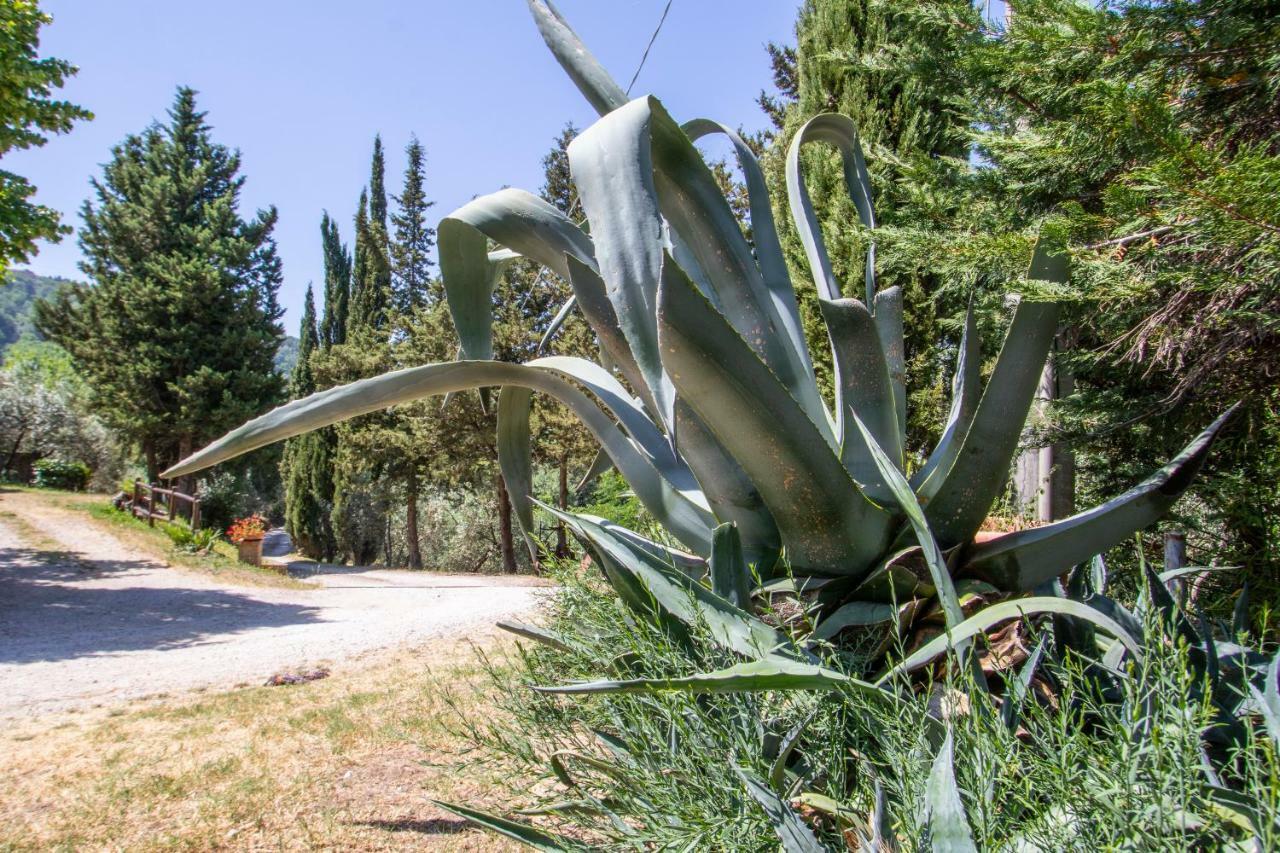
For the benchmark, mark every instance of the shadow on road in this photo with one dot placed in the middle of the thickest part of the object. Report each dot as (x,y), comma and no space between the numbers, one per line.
(56,606)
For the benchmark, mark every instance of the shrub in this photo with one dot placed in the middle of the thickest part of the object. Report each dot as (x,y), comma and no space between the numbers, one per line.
(191,541)
(59,474)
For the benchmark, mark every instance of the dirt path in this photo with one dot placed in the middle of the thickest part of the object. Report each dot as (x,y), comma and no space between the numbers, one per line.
(99,623)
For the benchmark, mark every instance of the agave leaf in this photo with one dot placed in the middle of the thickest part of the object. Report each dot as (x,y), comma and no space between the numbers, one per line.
(685,518)
(729,492)
(840,132)
(778,769)
(793,832)
(515,456)
(842,814)
(685,599)
(965,392)
(948,826)
(825,522)
(764,234)
(691,565)
(599,465)
(851,614)
(561,315)
(522,832)
(772,673)
(533,632)
(1016,694)
(887,310)
(512,218)
(600,89)
(866,387)
(993,615)
(1186,571)
(1267,701)
(982,461)
(730,574)
(906,500)
(1022,560)
(1240,613)
(1241,809)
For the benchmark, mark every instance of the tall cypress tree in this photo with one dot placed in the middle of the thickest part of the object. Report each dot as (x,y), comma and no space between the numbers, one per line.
(413,238)
(337,284)
(892,68)
(307,463)
(177,333)
(371,277)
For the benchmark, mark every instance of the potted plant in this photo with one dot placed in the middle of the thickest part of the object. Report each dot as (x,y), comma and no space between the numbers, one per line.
(247,533)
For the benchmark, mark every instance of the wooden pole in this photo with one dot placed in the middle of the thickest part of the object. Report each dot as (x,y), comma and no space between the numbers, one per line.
(1175,549)
(195,513)
(173,505)
(137,496)
(151,505)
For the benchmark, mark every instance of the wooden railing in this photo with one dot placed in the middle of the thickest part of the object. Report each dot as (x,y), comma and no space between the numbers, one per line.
(152,502)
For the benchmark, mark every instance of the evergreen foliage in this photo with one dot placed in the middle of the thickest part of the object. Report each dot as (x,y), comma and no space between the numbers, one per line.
(413,240)
(177,333)
(306,467)
(337,284)
(28,114)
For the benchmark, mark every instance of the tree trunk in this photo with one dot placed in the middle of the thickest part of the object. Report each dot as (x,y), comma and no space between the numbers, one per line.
(411,521)
(562,537)
(507,537)
(8,463)
(149,453)
(187,483)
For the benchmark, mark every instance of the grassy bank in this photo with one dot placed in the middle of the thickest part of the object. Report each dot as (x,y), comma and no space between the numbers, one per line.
(348,762)
(135,533)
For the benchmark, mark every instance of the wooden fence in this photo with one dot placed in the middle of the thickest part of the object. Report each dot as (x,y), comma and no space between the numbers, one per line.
(152,502)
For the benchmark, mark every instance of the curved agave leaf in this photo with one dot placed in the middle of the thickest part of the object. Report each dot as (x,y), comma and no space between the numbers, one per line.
(764,235)
(948,826)
(997,613)
(688,521)
(522,832)
(515,456)
(599,465)
(512,218)
(691,565)
(1022,560)
(562,314)
(887,310)
(772,673)
(796,835)
(965,392)
(854,613)
(864,386)
(688,601)
(730,493)
(583,69)
(983,459)
(906,500)
(826,523)
(840,132)
(533,632)
(636,166)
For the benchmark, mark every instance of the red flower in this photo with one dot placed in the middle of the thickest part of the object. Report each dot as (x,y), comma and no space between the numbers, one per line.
(250,527)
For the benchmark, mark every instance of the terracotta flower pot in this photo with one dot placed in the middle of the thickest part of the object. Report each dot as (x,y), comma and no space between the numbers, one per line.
(250,551)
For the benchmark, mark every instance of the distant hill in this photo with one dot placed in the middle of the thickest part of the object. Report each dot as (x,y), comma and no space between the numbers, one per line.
(287,356)
(17,296)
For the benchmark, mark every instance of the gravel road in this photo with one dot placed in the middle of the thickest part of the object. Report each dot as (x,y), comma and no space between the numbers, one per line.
(98,623)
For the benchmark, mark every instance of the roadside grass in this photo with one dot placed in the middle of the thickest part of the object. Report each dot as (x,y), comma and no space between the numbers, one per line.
(153,541)
(345,763)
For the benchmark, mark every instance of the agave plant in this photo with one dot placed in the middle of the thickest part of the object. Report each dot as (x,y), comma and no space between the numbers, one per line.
(704,396)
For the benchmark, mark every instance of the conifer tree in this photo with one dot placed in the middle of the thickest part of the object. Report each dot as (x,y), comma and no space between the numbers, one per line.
(413,238)
(337,284)
(307,463)
(177,332)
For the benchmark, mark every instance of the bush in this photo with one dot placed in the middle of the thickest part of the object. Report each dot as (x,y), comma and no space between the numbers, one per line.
(1080,769)
(57,474)
(191,541)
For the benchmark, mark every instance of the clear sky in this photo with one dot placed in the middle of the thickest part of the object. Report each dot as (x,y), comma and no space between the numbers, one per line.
(301,86)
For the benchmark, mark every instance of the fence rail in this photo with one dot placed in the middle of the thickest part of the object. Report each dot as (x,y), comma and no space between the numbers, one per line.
(151,502)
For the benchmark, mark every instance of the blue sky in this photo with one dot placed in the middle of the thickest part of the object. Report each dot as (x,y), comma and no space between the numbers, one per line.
(301,86)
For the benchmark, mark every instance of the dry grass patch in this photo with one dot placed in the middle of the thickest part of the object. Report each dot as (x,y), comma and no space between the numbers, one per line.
(349,762)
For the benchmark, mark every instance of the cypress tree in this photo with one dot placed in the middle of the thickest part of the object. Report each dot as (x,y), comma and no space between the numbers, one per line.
(337,284)
(307,463)
(371,297)
(177,333)
(414,239)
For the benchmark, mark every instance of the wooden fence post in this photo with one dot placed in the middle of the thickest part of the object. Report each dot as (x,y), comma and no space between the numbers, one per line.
(1175,549)
(151,505)
(173,504)
(137,496)
(195,512)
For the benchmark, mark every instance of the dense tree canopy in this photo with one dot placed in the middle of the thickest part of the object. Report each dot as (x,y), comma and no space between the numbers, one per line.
(177,331)
(28,113)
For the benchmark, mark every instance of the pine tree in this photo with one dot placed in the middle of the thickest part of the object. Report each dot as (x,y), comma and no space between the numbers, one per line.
(177,333)
(307,463)
(371,298)
(413,238)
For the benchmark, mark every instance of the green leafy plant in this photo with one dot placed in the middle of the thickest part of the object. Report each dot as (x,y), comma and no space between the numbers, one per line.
(60,474)
(191,541)
(709,407)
